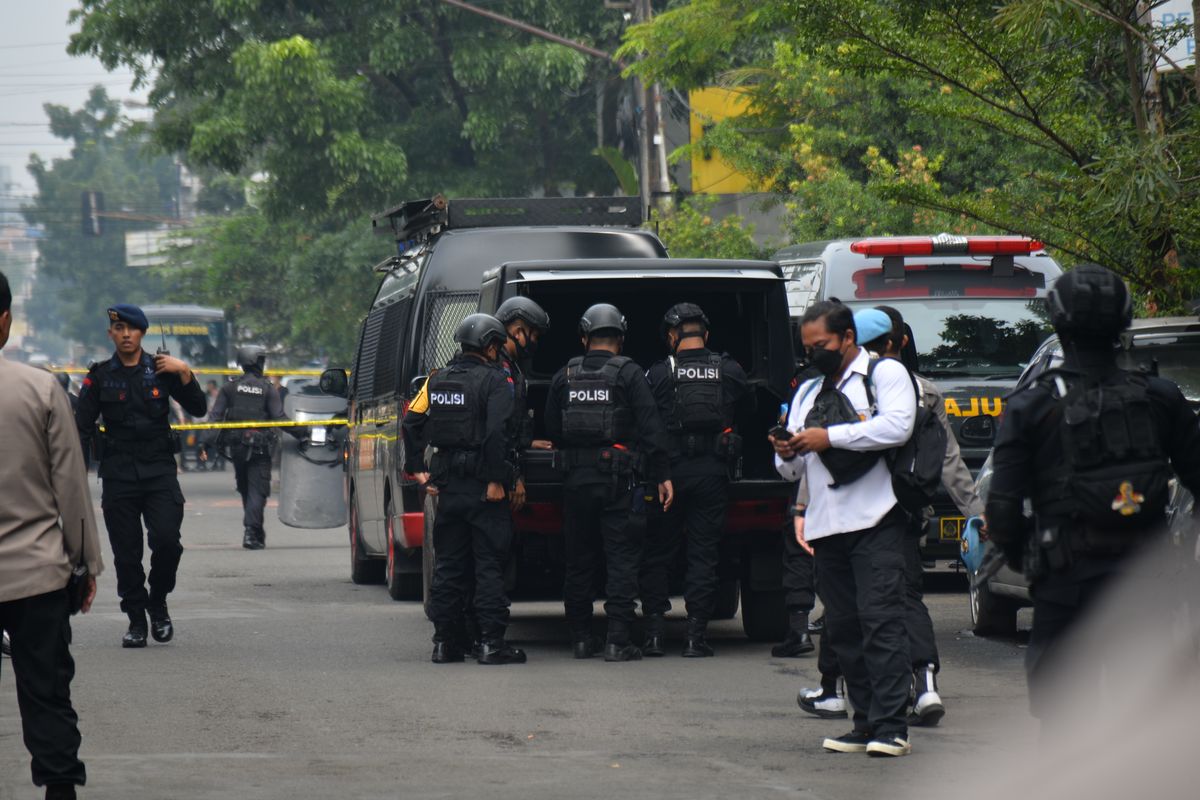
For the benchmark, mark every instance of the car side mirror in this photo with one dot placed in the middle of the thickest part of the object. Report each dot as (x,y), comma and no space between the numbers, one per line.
(335,382)
(416,384)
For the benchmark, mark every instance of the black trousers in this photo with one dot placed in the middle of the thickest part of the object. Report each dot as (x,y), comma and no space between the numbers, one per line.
(1059,602)
(862,585)
(159,502)
(40,631)
(471,541)
(699,510)
(252,476)
(922,645)
(604,525)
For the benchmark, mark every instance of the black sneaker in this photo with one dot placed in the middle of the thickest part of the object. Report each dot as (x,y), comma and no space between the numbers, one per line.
(889,746)
(855,741)
(822,703)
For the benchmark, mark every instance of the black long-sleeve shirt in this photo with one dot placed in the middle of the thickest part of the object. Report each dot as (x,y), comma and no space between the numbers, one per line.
(736,398)
(134,402)
(650,436)
(495,447)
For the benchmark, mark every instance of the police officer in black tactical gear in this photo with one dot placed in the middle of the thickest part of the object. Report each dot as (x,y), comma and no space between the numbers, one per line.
(251,398)
(601,414)
(463,412)
(699,393)
(525,323)
(132,392)
(1092,446)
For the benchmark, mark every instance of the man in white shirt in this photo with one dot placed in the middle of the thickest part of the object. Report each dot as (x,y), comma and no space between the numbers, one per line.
(852,521)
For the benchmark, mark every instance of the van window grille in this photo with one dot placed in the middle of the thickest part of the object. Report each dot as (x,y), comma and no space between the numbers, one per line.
(364,376)
(388,352)
(444,311)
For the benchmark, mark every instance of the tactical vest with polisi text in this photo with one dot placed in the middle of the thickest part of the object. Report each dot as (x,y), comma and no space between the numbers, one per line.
(698,395)
(596,412)
(457,406)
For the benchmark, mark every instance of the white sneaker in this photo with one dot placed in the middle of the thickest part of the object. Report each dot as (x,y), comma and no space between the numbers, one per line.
(929,709)
(822,704)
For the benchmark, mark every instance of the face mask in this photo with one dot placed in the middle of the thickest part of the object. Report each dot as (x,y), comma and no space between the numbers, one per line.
(828,362)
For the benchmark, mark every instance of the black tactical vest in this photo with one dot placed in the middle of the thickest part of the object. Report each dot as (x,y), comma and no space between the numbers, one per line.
(596,412)
(249,402)
(116,388)
(457,406)
(1116,472)
(698,396)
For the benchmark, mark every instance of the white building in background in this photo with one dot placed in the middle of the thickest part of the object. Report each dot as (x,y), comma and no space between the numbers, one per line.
(18,255)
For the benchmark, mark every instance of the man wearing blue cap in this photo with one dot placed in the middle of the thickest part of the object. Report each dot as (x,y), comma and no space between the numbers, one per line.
(132,391)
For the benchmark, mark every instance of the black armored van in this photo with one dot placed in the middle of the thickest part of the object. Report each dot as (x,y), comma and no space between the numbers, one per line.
(444,248)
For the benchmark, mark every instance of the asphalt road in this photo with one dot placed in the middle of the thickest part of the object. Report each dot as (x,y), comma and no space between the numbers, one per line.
(286,680)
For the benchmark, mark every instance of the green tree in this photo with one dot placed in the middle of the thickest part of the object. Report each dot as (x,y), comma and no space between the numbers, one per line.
(349,106)
(78,275)
(689,231)
(1031,116)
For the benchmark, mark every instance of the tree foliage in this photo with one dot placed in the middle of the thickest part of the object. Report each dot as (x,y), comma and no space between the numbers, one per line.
(79,276)
(1031,117)
(689,231)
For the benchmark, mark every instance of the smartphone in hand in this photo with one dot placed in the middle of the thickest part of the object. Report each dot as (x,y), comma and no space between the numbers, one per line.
(780,433)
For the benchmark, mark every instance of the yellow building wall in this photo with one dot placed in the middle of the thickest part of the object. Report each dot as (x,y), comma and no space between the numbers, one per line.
(710,173)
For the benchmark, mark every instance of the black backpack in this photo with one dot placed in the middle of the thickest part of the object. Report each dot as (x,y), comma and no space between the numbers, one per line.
(916,465)
(1116,474)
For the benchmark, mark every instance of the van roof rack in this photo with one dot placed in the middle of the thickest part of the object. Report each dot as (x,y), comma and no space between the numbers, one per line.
(417,221)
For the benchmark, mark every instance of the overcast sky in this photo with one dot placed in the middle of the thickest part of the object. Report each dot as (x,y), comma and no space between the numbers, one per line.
(35,69)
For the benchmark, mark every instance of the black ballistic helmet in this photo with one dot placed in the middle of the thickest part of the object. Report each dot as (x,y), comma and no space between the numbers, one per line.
(523,308)
(1090,301)
(477,331)
(602,317)
(251,355)
(680,313)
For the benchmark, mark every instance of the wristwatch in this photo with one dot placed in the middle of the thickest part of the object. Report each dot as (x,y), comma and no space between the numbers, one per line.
(797,511)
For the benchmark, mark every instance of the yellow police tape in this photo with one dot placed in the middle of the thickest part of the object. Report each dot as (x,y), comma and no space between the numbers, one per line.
(212,371)
(275,423)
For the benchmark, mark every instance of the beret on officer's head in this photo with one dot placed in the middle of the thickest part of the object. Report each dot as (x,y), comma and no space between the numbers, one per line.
(871,323)
(130,314)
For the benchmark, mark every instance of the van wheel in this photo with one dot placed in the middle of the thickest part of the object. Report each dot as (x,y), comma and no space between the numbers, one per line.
(991,614)
(401,585)
(726,606)
(764,614)
(427,553)
(364,570)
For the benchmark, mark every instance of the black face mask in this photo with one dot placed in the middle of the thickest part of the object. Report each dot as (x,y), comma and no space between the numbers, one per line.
(528,350)
(828,362)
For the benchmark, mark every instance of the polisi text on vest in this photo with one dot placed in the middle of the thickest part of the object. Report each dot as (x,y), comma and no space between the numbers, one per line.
(245,388)
(588,396)
(697,373)
(448,398)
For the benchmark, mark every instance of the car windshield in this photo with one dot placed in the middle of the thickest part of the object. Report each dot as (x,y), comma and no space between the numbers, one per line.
(973,338)
(1177,357)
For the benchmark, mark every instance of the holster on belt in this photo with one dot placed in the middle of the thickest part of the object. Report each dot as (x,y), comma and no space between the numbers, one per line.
(454,464)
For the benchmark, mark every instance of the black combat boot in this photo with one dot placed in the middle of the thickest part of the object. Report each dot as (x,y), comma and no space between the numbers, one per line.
(798,641)
(697,646)
(60,791)
(260,539)
(585,645)
(136,635)
(161,627)
(498,651)
(249,540)
(618,647)
(817,626)
(653,646)
(447,653)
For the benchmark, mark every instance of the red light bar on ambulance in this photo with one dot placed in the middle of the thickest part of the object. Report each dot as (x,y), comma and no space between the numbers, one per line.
(894,249)
(945,244)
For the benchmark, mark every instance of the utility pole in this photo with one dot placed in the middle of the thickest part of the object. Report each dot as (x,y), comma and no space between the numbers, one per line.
(653,142)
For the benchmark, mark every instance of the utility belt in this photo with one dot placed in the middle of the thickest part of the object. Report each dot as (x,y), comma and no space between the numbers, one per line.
(455,464)
(166,444)
(1054,548)
(725,445)
(614,460)
(252,442)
